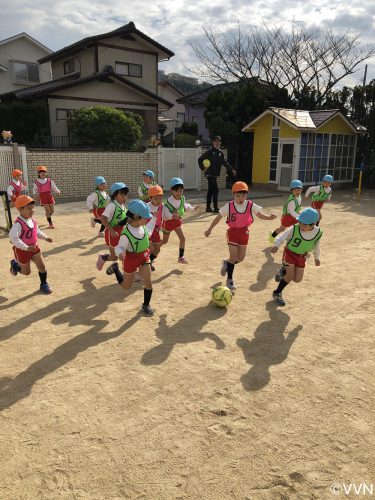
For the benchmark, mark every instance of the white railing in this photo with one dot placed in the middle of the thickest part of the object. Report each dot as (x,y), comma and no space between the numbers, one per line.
(9,160)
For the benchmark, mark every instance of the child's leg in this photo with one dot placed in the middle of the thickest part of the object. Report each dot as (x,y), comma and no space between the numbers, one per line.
(232,260)
(128,281)
(278,230)
(154,249)
(51,209)
(39,262)
(320,216)
(145,272)
(241,252)
(165,238)
(182,241)
(25,269)
(298,274)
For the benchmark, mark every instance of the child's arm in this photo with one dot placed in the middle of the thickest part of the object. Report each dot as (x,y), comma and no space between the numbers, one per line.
(282,237)
(213,224)
(317,253)
(150,226)
(120,249)
(91,199)
(291,209)
(188,206)
(312,189)
(54,188)
(140,192)
(10,192)
(263,216)
(105,222)
(43,236)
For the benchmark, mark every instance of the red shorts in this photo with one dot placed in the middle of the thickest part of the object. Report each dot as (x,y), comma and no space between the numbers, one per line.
(24,256)
(171,224)
(133,261)
(288,220)
(46,199)
(110,240)
(97,212)
(294,259)
(238,235)
(155,237)
(317,204)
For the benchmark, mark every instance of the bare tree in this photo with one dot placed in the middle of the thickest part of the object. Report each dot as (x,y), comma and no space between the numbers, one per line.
(299,59)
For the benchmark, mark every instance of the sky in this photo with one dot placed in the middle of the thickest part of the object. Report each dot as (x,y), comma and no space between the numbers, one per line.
(177,23)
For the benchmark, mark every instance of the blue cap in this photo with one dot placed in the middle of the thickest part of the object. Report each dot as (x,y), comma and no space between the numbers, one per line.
(99,180)
(150,173)
(308,216)
(140,208)
(116,187)
(175,181)
(327,178)
(296,184)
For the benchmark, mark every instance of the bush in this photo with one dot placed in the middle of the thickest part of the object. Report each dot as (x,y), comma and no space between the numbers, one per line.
(185,141)
(25,120)
(106,128)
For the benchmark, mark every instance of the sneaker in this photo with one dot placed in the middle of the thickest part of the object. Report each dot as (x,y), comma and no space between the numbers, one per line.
(111,269)
(152,267)
(14,267)
(101,234)
(231,285)
(223,270)
(271,238)
(278,298)
(209,209)
(44,287)
(182,260)
(216,210)
(147,310)
(100,263)
(92,222)
(51,226)
(280,274)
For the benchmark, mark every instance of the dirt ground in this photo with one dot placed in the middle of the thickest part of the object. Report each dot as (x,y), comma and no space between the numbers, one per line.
(249,402)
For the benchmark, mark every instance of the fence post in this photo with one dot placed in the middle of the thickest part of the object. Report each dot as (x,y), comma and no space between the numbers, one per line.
(16,156)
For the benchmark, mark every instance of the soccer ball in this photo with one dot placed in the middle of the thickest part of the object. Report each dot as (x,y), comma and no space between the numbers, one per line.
(206,164)
(221,296)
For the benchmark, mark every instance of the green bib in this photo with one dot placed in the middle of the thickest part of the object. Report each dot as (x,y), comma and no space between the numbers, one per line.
(145,190)
(299,245)
(118,217)
(297,205)
(138,246)
(102,202)
(321,196)
(180,209)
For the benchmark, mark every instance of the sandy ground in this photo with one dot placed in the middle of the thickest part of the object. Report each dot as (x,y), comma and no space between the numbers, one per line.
(249,402)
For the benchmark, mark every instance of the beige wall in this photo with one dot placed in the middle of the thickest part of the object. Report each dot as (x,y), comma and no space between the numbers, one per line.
(74,171)
(171,95)
(84,63)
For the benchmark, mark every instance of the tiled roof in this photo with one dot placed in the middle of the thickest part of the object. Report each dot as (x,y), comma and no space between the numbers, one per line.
(321,116)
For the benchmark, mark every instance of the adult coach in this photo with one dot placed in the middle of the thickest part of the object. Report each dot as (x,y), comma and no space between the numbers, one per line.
(211,162)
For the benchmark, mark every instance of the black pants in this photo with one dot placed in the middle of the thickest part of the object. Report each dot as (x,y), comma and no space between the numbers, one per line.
(212,191)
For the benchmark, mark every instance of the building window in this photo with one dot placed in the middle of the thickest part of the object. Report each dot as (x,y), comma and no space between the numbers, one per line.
(26,72)
(69,66)
(128,69)
(63,114)
(181,117)
(274,153)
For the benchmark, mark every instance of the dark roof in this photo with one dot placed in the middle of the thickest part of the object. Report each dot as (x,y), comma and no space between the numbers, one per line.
(44,89)
(200,97)
(90,40)
(319,117)
(166,83)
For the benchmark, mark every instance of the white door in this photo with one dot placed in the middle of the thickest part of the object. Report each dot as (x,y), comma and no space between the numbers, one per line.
(189,167)
(179,162)
(169,165)
(287,159)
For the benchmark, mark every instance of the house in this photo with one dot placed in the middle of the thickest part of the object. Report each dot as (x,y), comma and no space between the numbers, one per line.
(306,145)
(19,66)
(117,69)
(175,116)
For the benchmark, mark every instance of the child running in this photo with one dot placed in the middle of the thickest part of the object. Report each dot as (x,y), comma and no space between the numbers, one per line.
(301,239)
(42,190)
(155,205)
(321,194)
(291,209)
(16,186)
(174,209)
(133,250)
(24,236)
(113,219)
(96,203)
(146,183)
(240,215)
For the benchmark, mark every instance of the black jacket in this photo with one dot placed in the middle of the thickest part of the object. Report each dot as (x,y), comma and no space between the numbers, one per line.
(216,157)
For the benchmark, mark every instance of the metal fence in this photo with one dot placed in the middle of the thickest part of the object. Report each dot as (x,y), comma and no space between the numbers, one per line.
(12,157)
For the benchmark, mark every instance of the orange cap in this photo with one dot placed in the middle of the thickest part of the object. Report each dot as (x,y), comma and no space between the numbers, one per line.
(16,172)
(155,190)
(239,186)
(22,201)
(41,168)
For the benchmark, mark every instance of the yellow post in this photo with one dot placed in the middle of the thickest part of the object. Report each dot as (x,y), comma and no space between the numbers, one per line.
(359,185)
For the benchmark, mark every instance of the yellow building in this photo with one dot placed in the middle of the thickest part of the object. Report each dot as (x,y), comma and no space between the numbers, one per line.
(305,145)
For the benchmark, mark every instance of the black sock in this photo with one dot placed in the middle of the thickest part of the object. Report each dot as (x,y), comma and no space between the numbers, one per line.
(49,219)
(98,221)
(105,257)
(181,252)
(230,269)
(102,227)
(152,257)
(43,277)
(118,274)
(274,234)
(18,267)
(281,286)
(147,296)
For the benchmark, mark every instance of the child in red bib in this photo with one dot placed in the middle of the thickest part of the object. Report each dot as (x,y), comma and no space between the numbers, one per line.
(15,187)
(43,189)
(239,213)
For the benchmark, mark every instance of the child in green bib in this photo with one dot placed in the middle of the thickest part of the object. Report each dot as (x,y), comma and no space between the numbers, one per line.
(301,239)
(320,194)
(291,209)
(147,182)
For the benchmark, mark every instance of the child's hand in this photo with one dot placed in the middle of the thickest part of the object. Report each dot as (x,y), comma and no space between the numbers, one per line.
(175,215)
(49,240)
(208,232)
(31,248)
(91,210)
(113,232)
(274,249)
(306,196)
(121,256)
(273,216)
(197,207)
(317,262)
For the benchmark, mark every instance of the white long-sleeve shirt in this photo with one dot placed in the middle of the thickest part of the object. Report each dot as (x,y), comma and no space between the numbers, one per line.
(93,199)
(138,232)
(175,204)
(54,188)
(10,188)
(316,189)
(306,235)
(291,207)
(15,233)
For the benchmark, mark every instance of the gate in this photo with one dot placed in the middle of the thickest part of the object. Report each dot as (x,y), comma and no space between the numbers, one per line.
(179,162)
(12,157)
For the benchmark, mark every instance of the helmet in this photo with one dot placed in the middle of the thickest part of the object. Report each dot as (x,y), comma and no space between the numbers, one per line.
(116,187)
(296,184)
(308,216)
(140,208)
(239,186)
(327,178)
(175,181)
(41,168)
(150,173)
(22,201)
(155,190)
(16,172)
(99,180)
